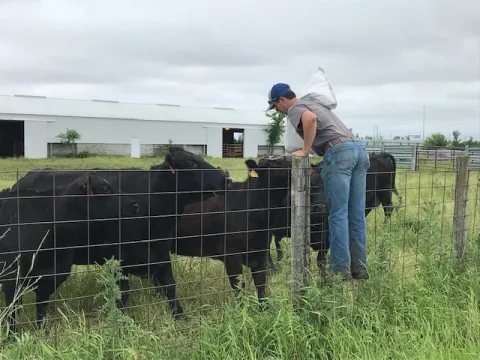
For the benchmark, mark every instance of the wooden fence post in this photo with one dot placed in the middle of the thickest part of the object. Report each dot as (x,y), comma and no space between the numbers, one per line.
(460,211)
(300,225)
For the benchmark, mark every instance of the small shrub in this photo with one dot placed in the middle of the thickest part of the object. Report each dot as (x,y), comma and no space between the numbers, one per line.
(69,138)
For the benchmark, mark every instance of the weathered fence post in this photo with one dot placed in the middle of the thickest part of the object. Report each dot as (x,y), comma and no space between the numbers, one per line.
(413,164)
(460,211)
(300,215)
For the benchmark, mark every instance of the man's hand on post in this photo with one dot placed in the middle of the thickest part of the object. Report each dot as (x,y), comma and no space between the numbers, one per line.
(300,153)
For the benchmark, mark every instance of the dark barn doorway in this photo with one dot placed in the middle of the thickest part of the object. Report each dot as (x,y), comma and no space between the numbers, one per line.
(232,143)
(12,137)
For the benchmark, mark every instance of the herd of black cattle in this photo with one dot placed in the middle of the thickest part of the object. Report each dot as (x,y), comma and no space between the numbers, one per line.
(184,206)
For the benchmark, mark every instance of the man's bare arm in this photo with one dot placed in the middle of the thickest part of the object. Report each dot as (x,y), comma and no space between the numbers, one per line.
(309,124)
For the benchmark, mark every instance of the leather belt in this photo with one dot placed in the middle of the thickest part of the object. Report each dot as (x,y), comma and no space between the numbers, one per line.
(332,142)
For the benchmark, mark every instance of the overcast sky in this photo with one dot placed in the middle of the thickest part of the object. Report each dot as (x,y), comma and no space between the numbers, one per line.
(386,60)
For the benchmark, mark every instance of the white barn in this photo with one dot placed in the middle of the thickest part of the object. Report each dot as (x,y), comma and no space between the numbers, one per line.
(29,126)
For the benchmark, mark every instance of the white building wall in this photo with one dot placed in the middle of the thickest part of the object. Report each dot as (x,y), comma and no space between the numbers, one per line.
(253,137)
(115,131)
(100,127)
(119,133)
(214,140)
(36,138)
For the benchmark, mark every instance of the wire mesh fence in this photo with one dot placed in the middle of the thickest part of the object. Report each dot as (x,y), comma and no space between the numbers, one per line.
(191,240)
(442,158)
(419,157)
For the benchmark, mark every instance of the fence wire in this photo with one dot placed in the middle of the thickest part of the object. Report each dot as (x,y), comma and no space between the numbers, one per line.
(190,238)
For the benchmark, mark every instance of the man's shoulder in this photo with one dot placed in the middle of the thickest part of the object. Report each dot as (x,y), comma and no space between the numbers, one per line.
(302,105)
(298,107)
(295,112)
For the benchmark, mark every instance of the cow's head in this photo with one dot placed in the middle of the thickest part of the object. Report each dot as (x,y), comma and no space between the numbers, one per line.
(194,173)
(273,172)
(105,201)
(318,200)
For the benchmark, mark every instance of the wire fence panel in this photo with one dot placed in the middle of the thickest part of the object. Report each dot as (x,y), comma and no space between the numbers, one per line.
(190,240)
(420,157)
(441,158)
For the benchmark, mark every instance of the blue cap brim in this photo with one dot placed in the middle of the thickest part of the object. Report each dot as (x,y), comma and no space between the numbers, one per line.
(271,106)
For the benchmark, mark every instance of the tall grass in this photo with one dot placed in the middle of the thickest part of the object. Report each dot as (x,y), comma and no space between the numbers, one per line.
(416,304)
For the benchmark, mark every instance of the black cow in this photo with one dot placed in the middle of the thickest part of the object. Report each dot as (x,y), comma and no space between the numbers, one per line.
(381,183)
(52,225)
(241,236)
(143,246)
(4,193)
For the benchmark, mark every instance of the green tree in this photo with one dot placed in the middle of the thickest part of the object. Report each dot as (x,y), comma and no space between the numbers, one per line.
(455,142)
(436,140)
(69,138)
(471,142)
(275,129)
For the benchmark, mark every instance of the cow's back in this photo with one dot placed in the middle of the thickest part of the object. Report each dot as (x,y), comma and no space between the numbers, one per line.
(46,179)
(380,173)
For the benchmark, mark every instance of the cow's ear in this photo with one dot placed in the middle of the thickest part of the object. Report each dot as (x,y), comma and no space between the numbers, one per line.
(251,164)
(253,174)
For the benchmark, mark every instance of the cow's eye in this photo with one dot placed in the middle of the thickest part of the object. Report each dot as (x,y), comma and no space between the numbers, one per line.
(105,190)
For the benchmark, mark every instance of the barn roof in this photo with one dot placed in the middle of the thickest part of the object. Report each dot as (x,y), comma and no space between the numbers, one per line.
(41,105)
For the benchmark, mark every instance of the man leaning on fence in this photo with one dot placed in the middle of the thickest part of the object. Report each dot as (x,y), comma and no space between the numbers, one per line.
(344,170)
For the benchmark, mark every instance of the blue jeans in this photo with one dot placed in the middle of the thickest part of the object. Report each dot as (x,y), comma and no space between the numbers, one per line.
(344,174)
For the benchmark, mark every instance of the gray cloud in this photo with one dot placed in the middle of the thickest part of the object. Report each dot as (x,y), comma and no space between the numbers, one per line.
(385,60)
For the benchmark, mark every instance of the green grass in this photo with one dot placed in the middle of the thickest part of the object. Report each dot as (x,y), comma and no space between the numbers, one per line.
(417,304)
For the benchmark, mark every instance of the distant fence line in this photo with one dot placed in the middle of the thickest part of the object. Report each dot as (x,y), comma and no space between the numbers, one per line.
(413,156)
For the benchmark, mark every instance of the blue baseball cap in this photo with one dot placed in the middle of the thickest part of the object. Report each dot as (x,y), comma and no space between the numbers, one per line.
(277,91)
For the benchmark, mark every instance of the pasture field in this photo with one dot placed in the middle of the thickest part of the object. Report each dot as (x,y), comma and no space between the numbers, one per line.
(417,304)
